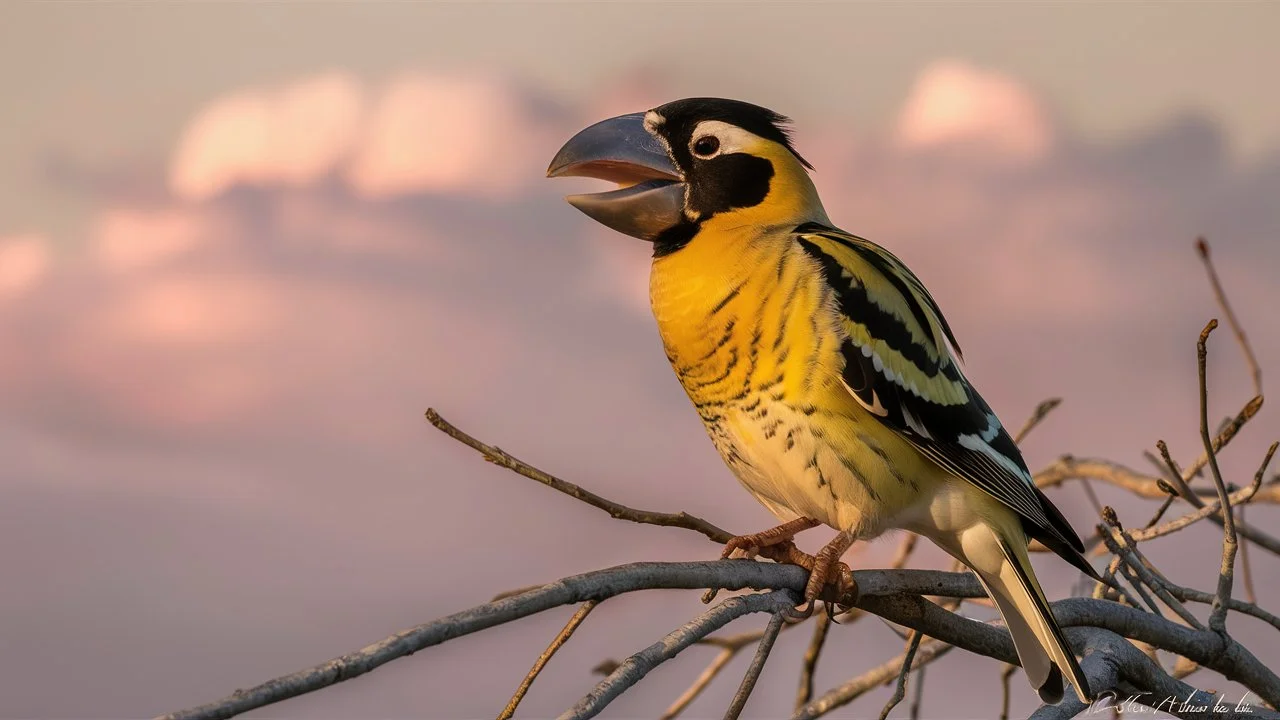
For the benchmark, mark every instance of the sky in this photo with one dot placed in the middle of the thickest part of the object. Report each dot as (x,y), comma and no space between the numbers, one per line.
(243,247)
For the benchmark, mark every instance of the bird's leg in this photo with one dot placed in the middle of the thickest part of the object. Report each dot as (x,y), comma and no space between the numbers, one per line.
(774,543)
(752,544)
(828,568)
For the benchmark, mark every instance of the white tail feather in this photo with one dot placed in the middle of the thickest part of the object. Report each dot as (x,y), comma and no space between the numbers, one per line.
(1041,646)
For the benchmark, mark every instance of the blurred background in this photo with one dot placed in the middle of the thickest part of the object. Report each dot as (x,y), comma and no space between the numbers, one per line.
(244,246)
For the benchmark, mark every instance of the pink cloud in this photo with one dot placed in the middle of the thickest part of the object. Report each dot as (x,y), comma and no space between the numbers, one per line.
(289,136)
(268,354)
(24,260)
(954,102)
(430,133)
(126,239)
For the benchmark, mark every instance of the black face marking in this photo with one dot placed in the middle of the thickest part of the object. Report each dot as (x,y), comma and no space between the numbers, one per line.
(674,238)
(727,182)
(717,182)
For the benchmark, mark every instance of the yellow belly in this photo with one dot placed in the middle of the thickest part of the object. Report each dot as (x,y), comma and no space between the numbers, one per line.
(750,330)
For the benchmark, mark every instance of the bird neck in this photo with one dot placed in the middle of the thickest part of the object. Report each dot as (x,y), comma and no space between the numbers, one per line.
(792,200)
(703,295)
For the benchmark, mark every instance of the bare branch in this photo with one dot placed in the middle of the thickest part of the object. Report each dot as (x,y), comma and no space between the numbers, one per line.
(846,693)
(1203,246)
(918,697)
(1122,545)
(1186,594)
(913,644)
(501,458)
(1005,674)
(699,684)
(1224,436)
(1226,576)
(600,585)
(894,595)
(559,640)
(1246,569)
(757,664)
(637,666)
(1237,498)
(1044,408)
(811,655)
(1117,670)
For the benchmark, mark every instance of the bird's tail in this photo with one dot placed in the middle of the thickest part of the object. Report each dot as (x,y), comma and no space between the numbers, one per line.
(1041,646)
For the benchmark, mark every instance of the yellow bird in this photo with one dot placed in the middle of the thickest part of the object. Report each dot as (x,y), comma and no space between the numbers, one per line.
(824,372)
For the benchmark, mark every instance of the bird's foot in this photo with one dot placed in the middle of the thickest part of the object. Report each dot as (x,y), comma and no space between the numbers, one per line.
(826,569)
(753,544)
(774,543)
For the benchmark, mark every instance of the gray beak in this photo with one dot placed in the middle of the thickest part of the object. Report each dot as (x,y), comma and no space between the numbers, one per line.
(650,198)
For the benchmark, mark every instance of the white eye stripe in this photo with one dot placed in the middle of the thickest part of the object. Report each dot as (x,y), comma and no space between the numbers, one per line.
(732,138)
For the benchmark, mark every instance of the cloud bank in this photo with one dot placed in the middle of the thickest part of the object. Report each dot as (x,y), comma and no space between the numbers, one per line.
(213,415)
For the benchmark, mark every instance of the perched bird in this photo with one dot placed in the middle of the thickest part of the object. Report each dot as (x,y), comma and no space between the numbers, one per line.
(823,370)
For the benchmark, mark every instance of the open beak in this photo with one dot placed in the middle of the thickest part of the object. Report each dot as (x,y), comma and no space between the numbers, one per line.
(650,194)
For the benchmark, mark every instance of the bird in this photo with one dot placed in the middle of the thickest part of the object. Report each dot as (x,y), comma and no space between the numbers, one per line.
(822,368)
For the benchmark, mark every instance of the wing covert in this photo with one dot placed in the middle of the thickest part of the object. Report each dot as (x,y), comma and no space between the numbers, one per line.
(900,367)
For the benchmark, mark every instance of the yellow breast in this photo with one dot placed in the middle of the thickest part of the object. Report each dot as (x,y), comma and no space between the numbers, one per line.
(742,314)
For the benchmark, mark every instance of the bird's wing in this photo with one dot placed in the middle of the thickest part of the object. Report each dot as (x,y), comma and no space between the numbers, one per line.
(900,366)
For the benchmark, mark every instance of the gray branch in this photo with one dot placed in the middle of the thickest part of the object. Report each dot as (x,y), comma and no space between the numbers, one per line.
(637,666)
(895,595)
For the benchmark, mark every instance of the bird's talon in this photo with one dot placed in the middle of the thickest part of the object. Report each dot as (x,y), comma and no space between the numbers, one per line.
(709,595)
(803,612)
(846,588)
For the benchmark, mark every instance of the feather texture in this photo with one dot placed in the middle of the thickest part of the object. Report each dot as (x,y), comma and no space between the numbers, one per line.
(900,366)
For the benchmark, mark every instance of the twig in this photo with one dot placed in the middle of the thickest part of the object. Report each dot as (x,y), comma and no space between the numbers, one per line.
(634,668)
(1246,569)
(1249,532)
(729,648)
(1044,408)
(1005,674)
(899,692)
(1244,607)
(846,693)
(905,548)
(1138,586)
(757,664)
(1226,577)
(501,458)
(1116,668)
(599,585)
(514,592)
(820,629)
(895,595)
(542,660)
(1121,543)
(1072,468)
(1160,511)
(1224,436)
(917,698)
(1237,498)
(700,683)
(1203,246)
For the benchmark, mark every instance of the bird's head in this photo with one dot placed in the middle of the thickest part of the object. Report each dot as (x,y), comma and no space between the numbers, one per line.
(688,165)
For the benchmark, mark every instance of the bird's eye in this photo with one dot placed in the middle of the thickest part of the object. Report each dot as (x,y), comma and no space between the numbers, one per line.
(706,146)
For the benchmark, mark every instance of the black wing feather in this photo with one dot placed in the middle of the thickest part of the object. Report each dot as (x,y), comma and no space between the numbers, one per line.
(897,379)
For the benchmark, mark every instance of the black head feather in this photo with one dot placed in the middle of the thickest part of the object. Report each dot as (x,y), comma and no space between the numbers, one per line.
(682,116)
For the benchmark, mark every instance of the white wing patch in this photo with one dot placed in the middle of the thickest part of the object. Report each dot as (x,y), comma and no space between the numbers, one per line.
(978,444)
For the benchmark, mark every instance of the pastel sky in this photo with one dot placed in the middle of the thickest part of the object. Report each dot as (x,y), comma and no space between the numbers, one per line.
(244,246)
